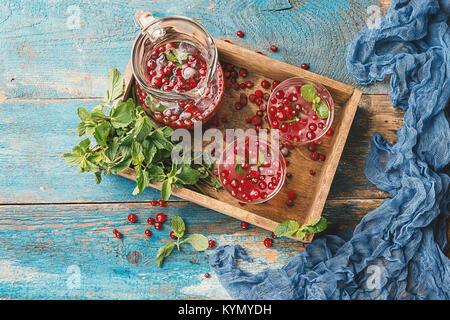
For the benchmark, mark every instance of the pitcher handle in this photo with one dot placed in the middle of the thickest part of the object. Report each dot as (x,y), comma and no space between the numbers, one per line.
(143,19)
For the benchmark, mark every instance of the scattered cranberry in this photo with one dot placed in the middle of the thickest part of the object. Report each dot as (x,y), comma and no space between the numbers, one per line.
(132,217)
(241,203)
(305,66)
(248,84)
(256,120)
(211,243)
(248,119)
(207,275)
(265,84)
(311,147)
(240,34)
(172,235)
(321,157)
(318,141)
(226,40)
(161,203)
(151,220)
(314,156)
(275,83)
(154,203)
(312,172)
(148,233)
(291,194)
(118,234)
(158,225)
(273,48)
(268,242)
(244,225)
(329,132)
(259,52)
(160,217)
(238,106)
(289,202)
(243,72)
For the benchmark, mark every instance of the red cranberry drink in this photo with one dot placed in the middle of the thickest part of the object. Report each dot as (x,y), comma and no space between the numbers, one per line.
(179,67)
(300,110)
(252,171)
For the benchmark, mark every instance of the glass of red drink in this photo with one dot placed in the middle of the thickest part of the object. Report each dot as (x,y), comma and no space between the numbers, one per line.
(251,170)
(179,81)
(302,111)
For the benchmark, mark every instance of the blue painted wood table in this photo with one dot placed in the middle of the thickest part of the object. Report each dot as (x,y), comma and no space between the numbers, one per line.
(55,224)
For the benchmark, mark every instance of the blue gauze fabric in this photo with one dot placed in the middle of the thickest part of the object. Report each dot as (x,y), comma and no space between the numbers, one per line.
(396,251)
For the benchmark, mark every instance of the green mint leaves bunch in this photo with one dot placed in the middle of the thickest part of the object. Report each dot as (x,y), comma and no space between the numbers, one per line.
(292,228)
(198,241)
(310,94)
(126,137)
(177,56)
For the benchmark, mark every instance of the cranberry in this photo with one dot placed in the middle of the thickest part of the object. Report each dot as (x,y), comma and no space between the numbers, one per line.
(240,34)
(321,157)
(259,113)
(160,217)
(318,141)
(211,243)
(279,94)
(311,147)
(172,235)
(238,106)
(248,120)
(243,72)
(224,119)
(207,275)
(226,40)
(258,93)
(148,233)
(314,155)
(118,234)
(312,126)
(268,242)
(312,172)
(272,110)
(156,82)
(275,83)
(256,120)
(241,203)
(305,66)
(289,202)
(244,225)
(158,225)
(225,181)
(161,203)
(273,48)
(150,220)
(234,183)
(310,135)
(248,84)
(251,97)
(291,194)
(329,132)
(265,84)
(132,217)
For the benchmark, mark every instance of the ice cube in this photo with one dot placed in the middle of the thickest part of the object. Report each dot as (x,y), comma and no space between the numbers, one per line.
(189,73)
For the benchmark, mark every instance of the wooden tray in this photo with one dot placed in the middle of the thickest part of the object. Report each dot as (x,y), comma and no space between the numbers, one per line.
(312,191)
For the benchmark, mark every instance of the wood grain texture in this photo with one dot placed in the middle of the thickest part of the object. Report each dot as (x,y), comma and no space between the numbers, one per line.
(44,58)
(38,243)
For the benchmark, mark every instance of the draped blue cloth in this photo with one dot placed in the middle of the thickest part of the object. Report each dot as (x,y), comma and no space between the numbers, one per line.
(396,251)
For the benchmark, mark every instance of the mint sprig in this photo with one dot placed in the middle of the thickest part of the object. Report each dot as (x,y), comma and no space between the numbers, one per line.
(198,241)
(127,136)
(310,94)
(177,56)
(292,228)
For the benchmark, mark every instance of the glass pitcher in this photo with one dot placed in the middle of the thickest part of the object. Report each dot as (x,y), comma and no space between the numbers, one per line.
(179,81)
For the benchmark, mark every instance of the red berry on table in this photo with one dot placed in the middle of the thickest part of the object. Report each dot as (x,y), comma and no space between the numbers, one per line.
(311,147)
(248,119)
(329,132)
(321,157)
(207,275)
(132,217)
(314,155)
(240,34)
(154,203)
(273,48)
(312,172)
(118,235)
(243,72)
(244,225)
(265,84)
(291,194)
(158,225)
(226,40)
(305,66)
(256,120)
(289,202)
(148,233)
(150,220)
(248,84)
(268,242)
(115,231)
(238,106)
(211,243)
(275,83)
(161,203)
(160,217)
(172,235)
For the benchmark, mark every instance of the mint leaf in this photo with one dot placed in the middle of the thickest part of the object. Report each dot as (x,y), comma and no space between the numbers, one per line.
(315,226)
(115,85)
(83,114)
(322,110)
(177,56)
(101,133)
(198,241)
(308,92)
(237,167)
(178,226)
(164,252)
(188,175)
(122,114)
(287,228)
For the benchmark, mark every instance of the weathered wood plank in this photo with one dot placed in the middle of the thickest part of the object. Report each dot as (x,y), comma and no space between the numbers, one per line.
(38,243)
(35,134)
(45,54)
